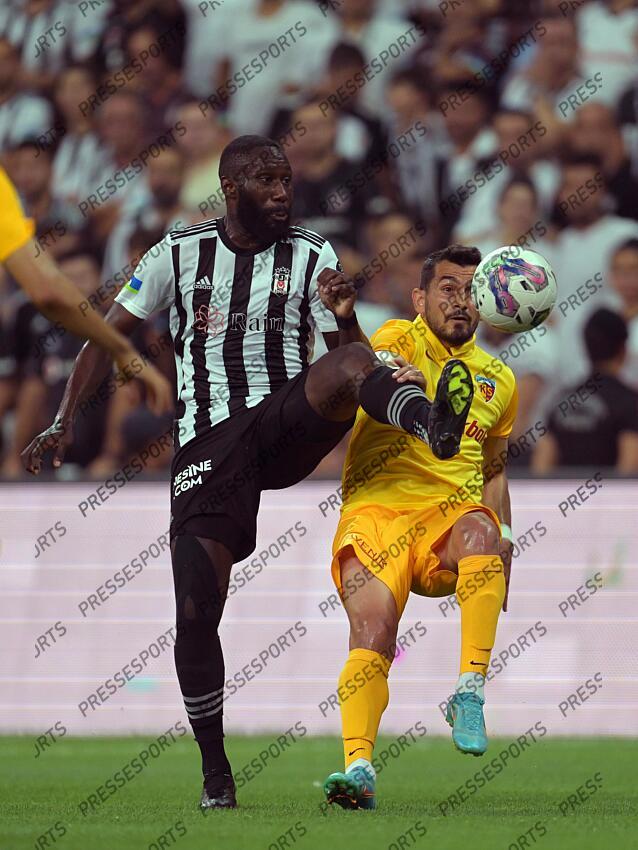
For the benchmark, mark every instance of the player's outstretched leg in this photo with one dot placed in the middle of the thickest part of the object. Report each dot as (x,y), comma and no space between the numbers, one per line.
(439,423)
(363,684)
(353,374)
(474,546)
(201,569)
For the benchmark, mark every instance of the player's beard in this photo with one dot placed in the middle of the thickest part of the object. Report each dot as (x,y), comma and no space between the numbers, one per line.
(445,332)
(256,221)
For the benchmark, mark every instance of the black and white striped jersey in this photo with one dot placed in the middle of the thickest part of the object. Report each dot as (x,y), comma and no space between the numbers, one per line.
(242,323)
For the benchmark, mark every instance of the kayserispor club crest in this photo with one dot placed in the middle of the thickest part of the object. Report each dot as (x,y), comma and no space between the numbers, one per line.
(486,386)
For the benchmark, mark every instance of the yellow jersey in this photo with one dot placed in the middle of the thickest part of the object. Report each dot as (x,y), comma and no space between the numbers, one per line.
(386,466)
(15,229)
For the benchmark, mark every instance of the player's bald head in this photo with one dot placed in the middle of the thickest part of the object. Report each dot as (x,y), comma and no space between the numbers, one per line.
(246,154)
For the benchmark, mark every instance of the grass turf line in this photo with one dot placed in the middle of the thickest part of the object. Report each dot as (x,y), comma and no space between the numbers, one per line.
(283,800)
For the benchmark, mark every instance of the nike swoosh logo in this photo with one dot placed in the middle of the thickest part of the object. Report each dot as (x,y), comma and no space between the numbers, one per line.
(477,663)
(356,751)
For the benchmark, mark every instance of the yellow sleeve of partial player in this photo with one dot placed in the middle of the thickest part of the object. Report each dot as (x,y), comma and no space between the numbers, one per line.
(15,229)
(503,427)
(397,336)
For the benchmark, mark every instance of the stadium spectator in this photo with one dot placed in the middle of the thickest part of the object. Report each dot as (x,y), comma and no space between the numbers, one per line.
(389,238)
(623,297)
(49,34)
(607,31)
(412,118)
(58,224)
(122,129)
(360,23)
(162,210)
(360,135)
(582,253)
(467,144)
(628,119)
(332,195)
(522,143)
(554,71)
(462,45)
(125,16)
(79,156)
(287,69)
(204,48)
(126,72)
(23,114)
(159,82)
(518,220)
(596,422)
(201,145)
(595,131)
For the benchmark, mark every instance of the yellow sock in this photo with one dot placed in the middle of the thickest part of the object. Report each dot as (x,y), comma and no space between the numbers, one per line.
(363,697)
(480,592)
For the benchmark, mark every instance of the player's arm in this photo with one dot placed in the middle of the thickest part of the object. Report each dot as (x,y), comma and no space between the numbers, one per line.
(338,295)
(54,295)
(496,495)
(332,298)
(627,463)
(150,289)
(90,369)
(546,455)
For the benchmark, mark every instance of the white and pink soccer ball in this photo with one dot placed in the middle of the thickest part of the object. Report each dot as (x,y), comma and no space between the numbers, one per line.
(514,289)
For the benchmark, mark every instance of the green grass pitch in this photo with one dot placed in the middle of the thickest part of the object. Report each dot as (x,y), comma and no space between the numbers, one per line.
(283,800)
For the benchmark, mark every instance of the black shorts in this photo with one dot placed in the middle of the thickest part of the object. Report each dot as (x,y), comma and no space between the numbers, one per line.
(217,478)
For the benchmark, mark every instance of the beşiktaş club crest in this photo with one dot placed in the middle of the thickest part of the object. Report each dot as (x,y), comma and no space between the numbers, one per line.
(281,281)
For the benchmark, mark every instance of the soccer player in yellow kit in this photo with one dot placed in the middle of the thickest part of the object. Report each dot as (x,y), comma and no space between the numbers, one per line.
(417,523)
(53,294)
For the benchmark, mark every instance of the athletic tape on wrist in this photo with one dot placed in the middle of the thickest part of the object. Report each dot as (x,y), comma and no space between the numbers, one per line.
(506,532)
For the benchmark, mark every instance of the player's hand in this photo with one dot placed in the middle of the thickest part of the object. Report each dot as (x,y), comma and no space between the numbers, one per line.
(57,438)
(159,393)
(507,547)
(408,372)
(337,292)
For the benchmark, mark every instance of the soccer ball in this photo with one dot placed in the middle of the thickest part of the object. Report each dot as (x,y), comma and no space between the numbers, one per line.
(514,289)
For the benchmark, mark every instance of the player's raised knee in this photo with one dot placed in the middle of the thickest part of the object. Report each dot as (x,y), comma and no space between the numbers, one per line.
(478,534)
(355,357)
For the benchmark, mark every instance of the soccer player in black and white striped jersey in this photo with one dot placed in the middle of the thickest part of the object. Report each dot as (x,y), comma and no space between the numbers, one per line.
(247,293)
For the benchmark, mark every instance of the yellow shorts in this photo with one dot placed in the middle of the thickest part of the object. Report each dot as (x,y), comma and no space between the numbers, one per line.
(396,546)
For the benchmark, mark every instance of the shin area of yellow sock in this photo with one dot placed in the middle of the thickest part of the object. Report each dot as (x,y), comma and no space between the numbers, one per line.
(363,697)
(480,591)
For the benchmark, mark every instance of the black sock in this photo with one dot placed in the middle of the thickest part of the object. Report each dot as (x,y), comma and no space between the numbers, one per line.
(214,759)
(198,653)
(403,405)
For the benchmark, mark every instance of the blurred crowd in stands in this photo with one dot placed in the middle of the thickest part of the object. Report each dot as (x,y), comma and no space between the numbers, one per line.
(409,124)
